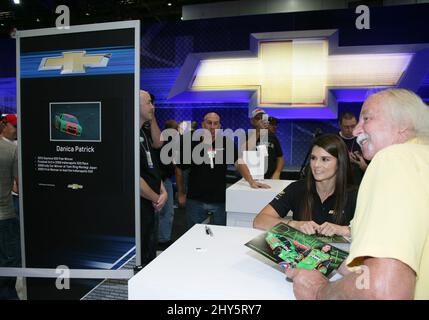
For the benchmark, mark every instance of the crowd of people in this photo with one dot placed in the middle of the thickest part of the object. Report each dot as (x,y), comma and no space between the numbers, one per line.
(200,181)
(368,183)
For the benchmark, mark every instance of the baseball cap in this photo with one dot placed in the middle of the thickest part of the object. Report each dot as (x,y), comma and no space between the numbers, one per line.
(10,118)
(257,111)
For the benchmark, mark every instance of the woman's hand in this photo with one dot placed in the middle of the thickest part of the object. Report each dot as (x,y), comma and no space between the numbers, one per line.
(308,227)
(330,229)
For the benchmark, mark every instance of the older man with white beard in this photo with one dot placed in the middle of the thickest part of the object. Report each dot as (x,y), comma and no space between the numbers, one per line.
(390,229)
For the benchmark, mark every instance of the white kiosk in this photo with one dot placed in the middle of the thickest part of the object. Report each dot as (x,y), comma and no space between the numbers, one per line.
(243,203)
(199,266)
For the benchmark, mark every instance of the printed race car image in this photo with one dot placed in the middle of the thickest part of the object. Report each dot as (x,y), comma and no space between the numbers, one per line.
(287,250)
(68,123)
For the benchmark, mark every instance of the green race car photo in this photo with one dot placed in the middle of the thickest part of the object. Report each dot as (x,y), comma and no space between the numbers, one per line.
(68,124)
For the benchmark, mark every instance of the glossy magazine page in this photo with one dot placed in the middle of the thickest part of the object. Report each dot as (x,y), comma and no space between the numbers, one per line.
(290,248)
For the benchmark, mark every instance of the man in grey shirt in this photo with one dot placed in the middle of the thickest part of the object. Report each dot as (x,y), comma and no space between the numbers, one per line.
(9,227)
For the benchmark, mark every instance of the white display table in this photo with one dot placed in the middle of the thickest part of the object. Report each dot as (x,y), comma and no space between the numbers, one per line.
(243,203)
(202,267)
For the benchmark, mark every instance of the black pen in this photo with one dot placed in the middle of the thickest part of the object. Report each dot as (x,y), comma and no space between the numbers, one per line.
(209,231)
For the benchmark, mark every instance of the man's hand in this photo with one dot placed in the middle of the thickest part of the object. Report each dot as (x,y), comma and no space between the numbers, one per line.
(357,158)
(159,204)
(258,185)
(15,186)
(330,229)
(306,283)
(181,198)
(343,270)
(153,116)
(276,176)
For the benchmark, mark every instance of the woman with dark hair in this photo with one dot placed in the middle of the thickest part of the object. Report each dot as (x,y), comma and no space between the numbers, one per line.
(323,202)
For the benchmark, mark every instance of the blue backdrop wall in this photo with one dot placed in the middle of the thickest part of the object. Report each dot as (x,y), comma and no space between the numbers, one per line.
(165,46)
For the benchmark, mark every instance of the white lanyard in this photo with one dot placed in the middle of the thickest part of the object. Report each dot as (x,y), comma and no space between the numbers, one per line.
(211,153)
(147,150)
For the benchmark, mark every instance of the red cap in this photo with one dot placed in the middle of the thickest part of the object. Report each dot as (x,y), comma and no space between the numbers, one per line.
(257,111)
(10,118)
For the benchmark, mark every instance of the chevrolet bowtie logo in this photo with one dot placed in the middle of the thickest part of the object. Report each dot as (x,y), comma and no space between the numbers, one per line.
(74,62)
(75,186)
(299,72)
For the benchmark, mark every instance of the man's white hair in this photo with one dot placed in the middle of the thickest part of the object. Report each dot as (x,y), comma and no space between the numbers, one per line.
(406,109)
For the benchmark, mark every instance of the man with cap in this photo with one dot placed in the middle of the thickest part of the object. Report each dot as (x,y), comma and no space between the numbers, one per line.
(9,226)
(8,132)
(8,127)
(260,122)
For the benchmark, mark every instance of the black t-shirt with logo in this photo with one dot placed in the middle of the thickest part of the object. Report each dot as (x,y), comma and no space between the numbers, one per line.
(274,151)
(149,170)
(292,198)
(208,184)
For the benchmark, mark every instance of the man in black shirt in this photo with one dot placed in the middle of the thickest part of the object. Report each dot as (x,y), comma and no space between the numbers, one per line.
(347,124)
(152,191)
(260,122)
(207,176)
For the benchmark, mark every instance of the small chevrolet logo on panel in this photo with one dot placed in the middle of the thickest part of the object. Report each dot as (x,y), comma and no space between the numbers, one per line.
(74,62)
(75,186)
